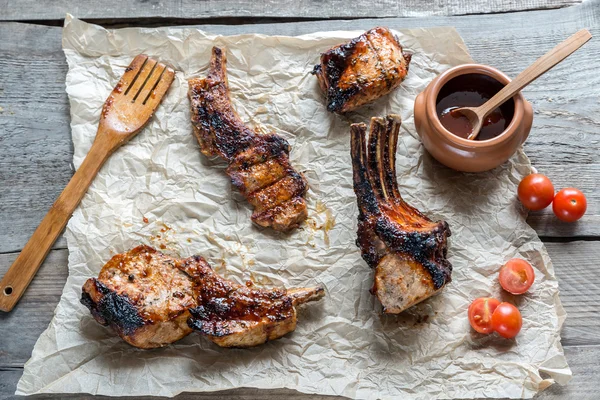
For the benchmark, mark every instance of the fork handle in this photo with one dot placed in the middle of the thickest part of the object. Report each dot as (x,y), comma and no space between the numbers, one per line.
(21,272)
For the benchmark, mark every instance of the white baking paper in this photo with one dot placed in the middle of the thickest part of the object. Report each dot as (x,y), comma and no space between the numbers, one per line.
(343,345)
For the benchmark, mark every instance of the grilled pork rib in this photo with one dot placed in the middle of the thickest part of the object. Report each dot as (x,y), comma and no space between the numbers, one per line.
(362,70)
(259,164)
(150,300)
(406,249)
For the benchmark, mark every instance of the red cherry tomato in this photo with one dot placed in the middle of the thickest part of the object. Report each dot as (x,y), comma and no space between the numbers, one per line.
(480,314)
(516,276)
(536,191)
(507,320)
(569,205)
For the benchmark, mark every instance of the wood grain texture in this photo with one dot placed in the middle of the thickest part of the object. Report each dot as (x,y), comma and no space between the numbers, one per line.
(37,150)
(37,153)
(19,10)
(20,328)
(575,265)
(583,361)
(124,115)
(476,115)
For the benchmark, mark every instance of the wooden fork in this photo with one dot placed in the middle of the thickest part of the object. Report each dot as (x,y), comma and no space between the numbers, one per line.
(126,111)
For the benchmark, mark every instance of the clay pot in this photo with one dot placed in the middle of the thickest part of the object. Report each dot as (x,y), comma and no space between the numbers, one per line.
(462,154)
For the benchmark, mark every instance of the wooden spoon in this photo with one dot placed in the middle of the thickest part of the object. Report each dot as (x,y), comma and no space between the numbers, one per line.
(125,112)
(476,115)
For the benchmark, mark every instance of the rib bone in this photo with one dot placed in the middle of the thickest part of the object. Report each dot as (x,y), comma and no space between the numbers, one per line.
(406,249)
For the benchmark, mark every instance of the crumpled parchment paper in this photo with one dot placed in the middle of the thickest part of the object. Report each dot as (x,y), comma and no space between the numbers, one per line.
(343,345)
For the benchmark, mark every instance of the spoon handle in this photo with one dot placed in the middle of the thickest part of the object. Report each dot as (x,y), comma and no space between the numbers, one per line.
(540,66)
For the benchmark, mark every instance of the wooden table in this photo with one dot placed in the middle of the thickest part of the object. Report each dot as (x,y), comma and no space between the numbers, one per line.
(36,149)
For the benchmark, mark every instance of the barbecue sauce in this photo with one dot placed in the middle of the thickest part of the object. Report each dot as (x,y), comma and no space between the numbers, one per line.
(472,90)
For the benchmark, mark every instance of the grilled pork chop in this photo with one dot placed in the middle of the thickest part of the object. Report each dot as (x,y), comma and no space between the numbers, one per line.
(259,164)
(233,315)
(362,70)
(406,249)
(144,296)
(151,300)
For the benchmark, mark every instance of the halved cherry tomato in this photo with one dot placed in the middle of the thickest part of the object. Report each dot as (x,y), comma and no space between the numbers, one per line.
(507,320)
(536,191)
(516,276)
(569,205)
(480,314)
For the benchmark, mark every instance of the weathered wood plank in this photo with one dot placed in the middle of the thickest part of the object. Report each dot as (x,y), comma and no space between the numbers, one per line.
(22,10)
(583,176)
(575,264)
(20,328)
(582,359)
(34,123)
(34,130)
(560,111)
(578,274)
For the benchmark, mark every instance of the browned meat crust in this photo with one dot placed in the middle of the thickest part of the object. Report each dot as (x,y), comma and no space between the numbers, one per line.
(407,249)
(150,300)
(233,315)
(258,164)
(362,70)
(143,297)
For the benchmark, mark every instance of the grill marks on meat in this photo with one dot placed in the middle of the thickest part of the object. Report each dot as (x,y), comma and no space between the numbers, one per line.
(259,164)
(406,249)
(150,300)
(362,70)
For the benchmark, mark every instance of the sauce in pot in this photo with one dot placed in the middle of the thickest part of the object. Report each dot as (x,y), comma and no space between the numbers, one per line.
(472,90)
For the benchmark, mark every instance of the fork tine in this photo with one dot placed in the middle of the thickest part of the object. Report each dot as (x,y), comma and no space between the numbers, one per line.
(155,96)
(131,72)
(153,80)
(141,79)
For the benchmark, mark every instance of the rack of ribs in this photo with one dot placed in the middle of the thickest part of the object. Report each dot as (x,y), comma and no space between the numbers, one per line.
(259,165)
(362,70)
(407,250)
(151,300)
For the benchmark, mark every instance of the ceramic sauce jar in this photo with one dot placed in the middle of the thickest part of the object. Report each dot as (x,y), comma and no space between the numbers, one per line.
(488,151)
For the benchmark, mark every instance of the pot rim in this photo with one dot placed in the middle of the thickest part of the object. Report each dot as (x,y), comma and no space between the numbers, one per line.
(464,69)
